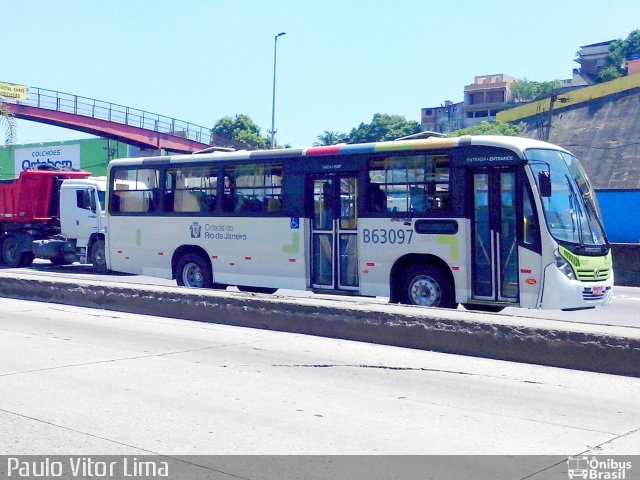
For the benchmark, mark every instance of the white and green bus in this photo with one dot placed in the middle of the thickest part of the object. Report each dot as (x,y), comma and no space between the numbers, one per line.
(483,221)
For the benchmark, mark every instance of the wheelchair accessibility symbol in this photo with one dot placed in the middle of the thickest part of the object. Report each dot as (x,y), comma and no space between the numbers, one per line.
(294,223)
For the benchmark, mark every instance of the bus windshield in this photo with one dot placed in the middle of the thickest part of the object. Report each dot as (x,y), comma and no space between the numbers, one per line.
(572,211)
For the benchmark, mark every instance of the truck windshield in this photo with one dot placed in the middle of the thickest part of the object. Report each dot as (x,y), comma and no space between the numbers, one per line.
(572,211)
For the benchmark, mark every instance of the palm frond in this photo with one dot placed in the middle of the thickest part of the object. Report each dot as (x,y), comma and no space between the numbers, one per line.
(7,123)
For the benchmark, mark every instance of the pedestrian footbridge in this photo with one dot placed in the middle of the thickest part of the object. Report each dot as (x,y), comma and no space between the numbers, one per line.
(105,119)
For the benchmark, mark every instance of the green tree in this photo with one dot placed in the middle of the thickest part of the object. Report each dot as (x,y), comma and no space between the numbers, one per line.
(330,138)
(619,52)
(615,63)
(239,132)
(383,127)
(608,74)
(488,128)
(632,45)
(522,91)
(547,89)
(530,91)
(7,123)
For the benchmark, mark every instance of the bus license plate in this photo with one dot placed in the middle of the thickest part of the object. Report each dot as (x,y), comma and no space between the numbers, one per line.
(597,291)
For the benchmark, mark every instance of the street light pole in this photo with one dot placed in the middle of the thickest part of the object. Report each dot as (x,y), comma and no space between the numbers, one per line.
(273,104)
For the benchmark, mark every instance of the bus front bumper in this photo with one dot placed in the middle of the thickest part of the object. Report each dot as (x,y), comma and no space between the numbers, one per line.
(562,293)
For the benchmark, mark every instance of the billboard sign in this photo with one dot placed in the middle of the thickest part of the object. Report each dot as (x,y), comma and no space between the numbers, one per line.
(11,91)
(57,156)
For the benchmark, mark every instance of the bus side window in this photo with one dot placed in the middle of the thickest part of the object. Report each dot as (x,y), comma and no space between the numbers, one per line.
(136,191)
(418,184)
(252,188)
(191,189)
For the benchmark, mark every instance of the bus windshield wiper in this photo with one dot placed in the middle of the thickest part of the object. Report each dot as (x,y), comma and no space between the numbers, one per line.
(574,205)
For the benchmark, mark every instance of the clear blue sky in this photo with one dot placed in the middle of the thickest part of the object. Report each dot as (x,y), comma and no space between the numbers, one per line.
(340,62)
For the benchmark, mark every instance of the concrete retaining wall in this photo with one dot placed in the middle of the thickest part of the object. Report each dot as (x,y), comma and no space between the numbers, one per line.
(607,349)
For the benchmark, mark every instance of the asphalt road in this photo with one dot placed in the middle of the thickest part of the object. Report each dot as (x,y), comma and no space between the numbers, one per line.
(87,381)
(623,311)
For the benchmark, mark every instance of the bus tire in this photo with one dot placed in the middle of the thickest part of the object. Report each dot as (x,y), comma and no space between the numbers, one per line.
(426,285)
(268,290)
(97,256)
(193,271)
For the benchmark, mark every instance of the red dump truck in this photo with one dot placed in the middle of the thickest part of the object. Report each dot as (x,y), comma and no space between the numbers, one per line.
(34,209)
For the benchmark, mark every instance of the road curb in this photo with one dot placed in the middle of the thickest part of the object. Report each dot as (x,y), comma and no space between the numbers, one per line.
(591,348)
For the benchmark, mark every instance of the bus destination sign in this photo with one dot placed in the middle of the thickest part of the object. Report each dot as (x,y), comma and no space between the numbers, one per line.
(492,160)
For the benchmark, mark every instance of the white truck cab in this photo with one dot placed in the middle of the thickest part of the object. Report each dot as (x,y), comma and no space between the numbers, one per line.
(82,225)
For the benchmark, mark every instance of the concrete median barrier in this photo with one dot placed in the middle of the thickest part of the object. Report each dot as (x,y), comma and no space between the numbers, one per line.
(606,349)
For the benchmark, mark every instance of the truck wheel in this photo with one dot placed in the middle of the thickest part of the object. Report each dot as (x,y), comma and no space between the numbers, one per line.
(426,285)
(26,259)
(98,256)
(193,271)
(11,257)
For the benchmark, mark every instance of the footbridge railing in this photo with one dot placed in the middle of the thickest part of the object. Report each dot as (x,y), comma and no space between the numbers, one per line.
(92,113)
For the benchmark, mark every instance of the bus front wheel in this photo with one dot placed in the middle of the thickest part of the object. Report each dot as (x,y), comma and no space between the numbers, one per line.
(426,285)
(193,271)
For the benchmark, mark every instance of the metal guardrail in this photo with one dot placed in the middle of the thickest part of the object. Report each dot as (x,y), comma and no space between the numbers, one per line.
(112,112)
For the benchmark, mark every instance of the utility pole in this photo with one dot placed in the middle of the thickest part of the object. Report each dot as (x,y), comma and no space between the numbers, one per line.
(547,130)
(273,104)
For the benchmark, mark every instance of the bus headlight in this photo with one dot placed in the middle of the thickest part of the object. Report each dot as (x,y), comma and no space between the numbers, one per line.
(564,266)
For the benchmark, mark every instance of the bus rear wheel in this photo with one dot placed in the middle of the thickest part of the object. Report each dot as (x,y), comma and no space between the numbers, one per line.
(426,285)
(193,271)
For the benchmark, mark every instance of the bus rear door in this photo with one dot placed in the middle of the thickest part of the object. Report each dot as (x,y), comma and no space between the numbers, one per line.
(334,241)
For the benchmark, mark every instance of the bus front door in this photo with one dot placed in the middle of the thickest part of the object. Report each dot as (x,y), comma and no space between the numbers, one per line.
(495,242)
(334,248)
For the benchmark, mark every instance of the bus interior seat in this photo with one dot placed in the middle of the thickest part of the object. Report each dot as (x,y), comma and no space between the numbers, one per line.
(207,203)
(274,205)
(419,200)
(377,198)
(185,201)
(134,201)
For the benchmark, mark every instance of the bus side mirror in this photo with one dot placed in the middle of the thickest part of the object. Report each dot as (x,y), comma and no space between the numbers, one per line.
(544,184)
